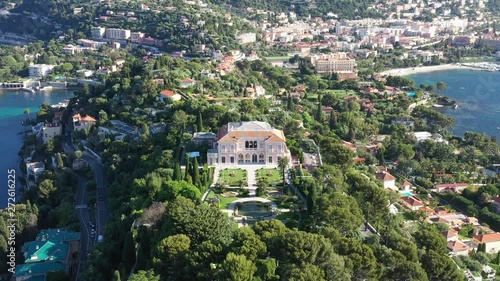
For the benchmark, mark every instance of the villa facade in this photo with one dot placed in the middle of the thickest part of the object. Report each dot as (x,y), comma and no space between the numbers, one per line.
(250,142)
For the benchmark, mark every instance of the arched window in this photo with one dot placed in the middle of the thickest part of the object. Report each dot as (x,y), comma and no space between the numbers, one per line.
(250,144)
(246,144)
(255,144)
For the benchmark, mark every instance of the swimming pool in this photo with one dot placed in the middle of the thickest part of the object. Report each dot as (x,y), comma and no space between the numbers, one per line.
(411,94)
(406,193)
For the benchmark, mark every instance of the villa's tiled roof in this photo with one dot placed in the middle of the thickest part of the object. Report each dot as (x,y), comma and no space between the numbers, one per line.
(486,238)
(457,246)
(252,129)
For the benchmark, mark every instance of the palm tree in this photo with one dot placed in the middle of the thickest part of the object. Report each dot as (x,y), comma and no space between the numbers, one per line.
(27,114)
(283,165)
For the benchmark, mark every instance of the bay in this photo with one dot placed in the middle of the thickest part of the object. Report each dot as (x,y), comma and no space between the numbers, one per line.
(12,106)
(478,96)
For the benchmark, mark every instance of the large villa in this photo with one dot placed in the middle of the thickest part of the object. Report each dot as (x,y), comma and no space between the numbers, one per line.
(249,142)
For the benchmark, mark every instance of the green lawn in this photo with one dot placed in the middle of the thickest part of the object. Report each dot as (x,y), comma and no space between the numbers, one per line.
(286,216)
(224,201)
(233,177)
(273,176)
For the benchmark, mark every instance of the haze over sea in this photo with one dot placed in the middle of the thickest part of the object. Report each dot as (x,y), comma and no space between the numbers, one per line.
(12,105)
(478,96)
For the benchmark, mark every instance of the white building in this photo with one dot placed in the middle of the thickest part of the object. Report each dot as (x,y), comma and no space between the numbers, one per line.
(40,70)
(34,169)
(81,123)
(333,62)
(388,180)
(249,142)
(50,131)
(116,33)
(136,37)
(490,240)
(97,32)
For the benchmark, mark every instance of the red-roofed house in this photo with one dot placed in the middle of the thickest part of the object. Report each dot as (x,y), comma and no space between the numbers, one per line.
(349,145)
(359,160)
(249,142)
(327,110)
(81,123)
(458,248)
(490,240)
(168,94)
(412,203)
(455,187)
(406,186)
(187,82)
(450,235)
(387,179)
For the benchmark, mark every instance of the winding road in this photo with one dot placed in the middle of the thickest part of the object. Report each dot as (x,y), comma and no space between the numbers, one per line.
(81,200)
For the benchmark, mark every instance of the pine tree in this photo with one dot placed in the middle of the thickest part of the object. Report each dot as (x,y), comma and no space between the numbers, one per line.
(177,172)
(128,252)
(116,276)
(196,172)
(199,122)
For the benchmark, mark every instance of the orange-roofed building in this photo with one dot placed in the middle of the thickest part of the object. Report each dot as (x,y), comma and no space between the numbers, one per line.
(81,123)
(387,179)
(412,203)
(458,248)
(169,94)
(249,142)
(187,82)
(490,240)
(450,235)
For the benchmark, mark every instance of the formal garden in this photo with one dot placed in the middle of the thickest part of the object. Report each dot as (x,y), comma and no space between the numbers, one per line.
(270,176)
(233,177)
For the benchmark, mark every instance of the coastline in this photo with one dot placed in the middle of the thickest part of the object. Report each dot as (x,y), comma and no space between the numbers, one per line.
(424,69)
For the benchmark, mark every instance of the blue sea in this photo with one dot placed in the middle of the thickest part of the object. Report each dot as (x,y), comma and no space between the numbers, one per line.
(478,96)
(12,106)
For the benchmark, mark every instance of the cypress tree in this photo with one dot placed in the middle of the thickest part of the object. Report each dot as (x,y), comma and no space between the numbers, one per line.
(188,168)
(290,104)
(319,114)
(143,256)
(177,172)
(128,252)
(199,122)
(497,259)
(196,172)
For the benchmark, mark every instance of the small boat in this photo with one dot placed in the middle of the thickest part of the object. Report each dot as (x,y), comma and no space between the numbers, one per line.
(438,105)
(455,106)
(462,88)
